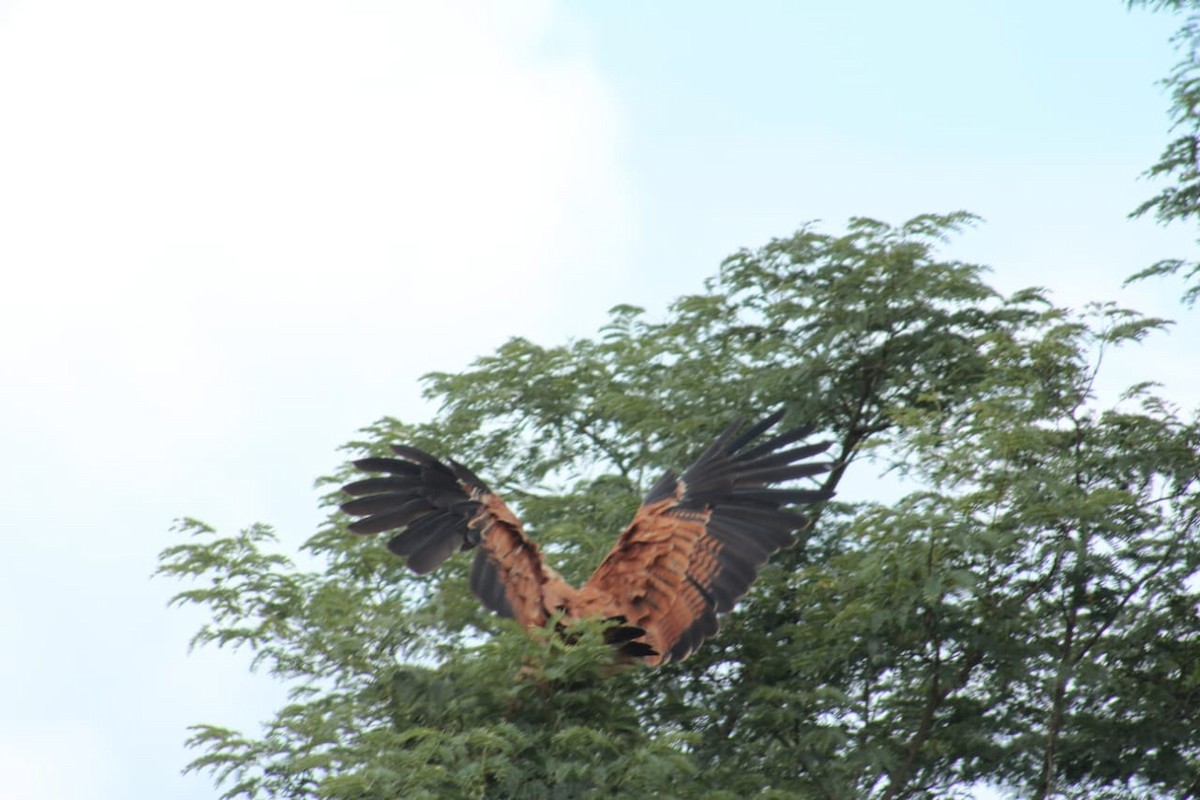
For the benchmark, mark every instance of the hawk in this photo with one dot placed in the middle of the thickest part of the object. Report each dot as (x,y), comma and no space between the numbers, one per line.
(693,547)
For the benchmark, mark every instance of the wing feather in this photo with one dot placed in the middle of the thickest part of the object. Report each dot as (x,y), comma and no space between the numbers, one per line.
(773,444)
(750,434)
(696,544)
(439,509)
(385,484)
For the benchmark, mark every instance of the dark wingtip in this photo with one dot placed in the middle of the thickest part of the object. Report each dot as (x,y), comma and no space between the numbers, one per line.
(415,455)
(627,639)
(754,431)
(368,525)
(637,650)
(621,633)
(384,464)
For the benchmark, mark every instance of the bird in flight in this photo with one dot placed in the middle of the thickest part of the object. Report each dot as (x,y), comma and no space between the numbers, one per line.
(693,547)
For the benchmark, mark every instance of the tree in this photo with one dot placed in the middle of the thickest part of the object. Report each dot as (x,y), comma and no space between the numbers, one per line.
(1026,615)
(1179,163)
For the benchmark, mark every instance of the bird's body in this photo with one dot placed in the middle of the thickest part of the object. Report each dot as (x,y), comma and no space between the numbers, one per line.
(692,549)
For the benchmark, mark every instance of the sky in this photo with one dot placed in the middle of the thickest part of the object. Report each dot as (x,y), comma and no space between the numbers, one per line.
(233,233)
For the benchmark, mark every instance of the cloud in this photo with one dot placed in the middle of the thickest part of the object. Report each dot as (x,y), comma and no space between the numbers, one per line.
(199,194)
(51,761)
(231,233)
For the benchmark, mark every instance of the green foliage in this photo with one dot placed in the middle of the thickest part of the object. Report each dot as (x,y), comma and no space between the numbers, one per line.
(1179,163)
(1026,615)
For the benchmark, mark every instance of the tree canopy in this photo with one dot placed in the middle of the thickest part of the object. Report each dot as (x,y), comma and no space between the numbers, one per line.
(1025,616)
(1179,163)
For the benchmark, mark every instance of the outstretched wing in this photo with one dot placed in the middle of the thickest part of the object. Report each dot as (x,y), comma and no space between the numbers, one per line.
(440,509)
(695,545)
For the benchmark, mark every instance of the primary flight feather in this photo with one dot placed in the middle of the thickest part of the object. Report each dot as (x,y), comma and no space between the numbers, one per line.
(692,549)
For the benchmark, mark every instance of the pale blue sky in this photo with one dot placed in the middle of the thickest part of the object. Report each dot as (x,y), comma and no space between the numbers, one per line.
(234,232)
(1034,115)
